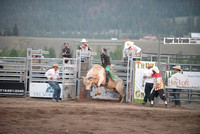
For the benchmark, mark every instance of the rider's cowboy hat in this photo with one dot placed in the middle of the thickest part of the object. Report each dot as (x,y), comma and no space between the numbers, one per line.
(83,40)
(54,65)
(128,44)
(155,69)
(178,67)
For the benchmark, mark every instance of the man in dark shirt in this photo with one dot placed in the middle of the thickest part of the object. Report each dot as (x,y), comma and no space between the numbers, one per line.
(105,62)
(66,52)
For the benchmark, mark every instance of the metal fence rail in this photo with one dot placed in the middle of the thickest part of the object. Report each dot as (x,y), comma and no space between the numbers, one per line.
(68,72)
(13,69)
(190,95)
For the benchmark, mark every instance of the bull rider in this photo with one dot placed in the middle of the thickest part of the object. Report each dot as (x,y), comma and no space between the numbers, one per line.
(105,62)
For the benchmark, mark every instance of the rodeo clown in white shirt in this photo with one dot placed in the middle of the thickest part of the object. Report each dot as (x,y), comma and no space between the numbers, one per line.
(53,75)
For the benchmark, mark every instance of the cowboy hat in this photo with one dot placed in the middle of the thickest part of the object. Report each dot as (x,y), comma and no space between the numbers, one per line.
(54,65)
(155,69)
(128,44)
(83,40)
(178,67)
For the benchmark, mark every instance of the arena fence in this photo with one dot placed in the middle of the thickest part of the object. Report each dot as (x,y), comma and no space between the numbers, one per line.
(190,95)
(12,76)
(69,71)
(29,72)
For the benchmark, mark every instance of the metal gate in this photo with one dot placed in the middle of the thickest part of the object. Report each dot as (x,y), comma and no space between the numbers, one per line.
(69,73)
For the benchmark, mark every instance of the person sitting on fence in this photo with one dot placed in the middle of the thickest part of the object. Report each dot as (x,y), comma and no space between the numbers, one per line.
(53,76)
(130,47)
(158,87)
(176,93)
(66,53)
(105,62)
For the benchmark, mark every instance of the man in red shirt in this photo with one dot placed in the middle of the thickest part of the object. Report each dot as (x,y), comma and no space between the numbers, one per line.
(158,87)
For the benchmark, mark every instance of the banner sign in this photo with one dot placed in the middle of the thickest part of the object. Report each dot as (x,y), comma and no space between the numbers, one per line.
(181,41)
(43,90)
(12,89)
(189,80)
(140,68)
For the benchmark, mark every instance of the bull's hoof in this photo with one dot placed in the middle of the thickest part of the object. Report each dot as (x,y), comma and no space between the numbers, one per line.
(122,100)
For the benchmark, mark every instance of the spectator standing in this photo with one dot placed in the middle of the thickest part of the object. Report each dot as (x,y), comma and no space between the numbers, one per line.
(53,76)
(148,82)
(158,87)
(176,93)
(85,47)
(66,52)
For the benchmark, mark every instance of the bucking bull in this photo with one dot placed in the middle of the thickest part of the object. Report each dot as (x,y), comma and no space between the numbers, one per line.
(97,77)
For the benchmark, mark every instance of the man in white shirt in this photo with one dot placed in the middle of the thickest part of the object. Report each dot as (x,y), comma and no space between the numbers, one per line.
(85,48)
(53,76)
(148,81)
(130,47)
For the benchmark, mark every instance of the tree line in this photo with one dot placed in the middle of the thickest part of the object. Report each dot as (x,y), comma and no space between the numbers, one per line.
(100,18)
(22,52)
(114,54)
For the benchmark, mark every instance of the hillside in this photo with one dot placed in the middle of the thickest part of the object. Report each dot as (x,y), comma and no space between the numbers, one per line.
(100,18)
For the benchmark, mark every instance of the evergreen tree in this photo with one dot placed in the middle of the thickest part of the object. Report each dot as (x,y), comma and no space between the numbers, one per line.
(13,53)
(52,52)
(22,52)
(5,52)
(15,30)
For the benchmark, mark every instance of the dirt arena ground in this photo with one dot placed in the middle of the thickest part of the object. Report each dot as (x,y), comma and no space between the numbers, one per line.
(42,116)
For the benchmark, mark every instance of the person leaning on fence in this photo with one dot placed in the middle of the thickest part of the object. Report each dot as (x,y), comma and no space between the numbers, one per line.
(85,47)
(148,81)
(176,93)
(66,53)
(158,87)
(53,76)
(130,47)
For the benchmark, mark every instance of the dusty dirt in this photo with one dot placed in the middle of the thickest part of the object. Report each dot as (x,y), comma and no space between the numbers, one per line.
(41,116)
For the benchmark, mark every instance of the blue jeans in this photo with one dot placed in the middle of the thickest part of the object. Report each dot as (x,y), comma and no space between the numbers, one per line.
(57,89)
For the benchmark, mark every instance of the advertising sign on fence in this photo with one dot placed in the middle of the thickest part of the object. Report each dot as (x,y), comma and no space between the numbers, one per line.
(140,68)
(12,89)
(43,90)
(190,80)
